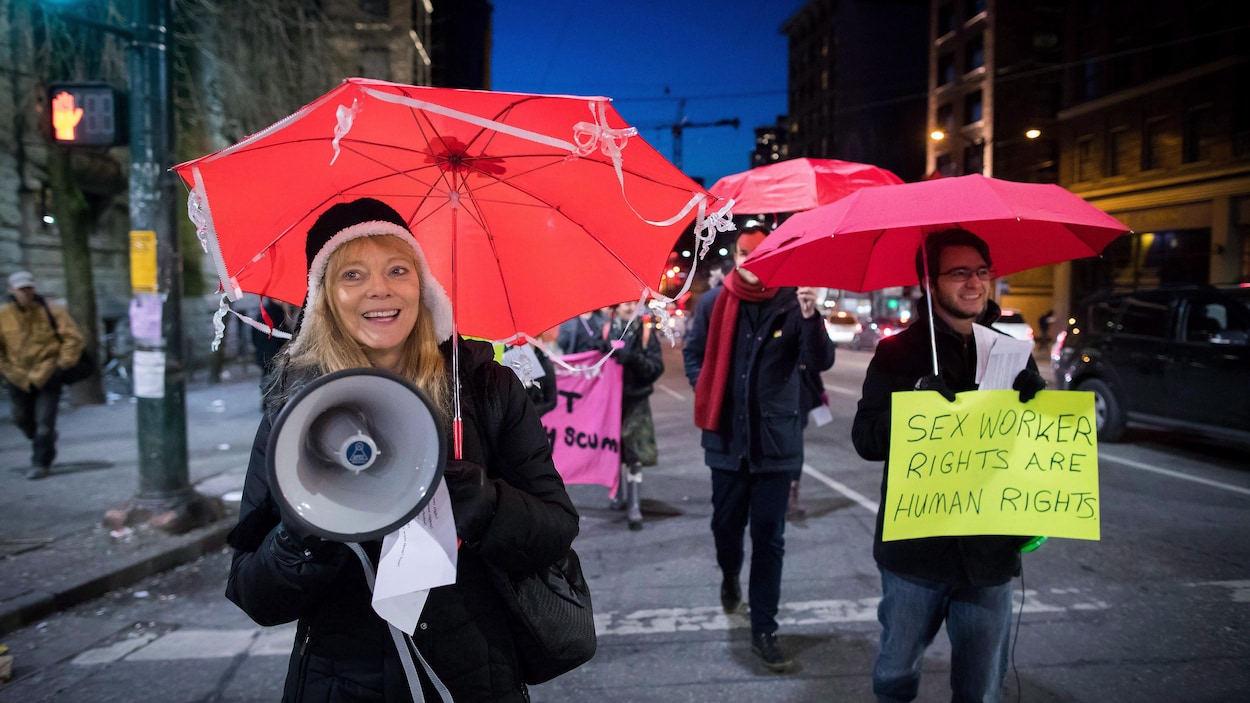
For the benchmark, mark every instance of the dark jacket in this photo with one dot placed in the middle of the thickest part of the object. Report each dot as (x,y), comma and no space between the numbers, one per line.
(542,391)
(579,335)
(641,358)
(760,420)
(343,649)
(899,362)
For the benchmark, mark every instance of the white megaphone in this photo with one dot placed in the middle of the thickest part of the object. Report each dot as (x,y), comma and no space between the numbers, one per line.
(355,455)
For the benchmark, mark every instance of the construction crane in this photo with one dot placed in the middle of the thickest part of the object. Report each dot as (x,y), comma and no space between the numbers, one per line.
(682,124)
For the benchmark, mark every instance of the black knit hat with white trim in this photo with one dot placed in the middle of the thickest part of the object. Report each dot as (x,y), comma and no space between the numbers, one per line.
(367,217)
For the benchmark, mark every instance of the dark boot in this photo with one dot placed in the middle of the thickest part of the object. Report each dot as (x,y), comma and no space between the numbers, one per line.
(730,593)
(766,647)
(635,498)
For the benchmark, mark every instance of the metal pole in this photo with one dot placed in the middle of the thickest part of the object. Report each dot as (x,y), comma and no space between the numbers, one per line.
(160,384)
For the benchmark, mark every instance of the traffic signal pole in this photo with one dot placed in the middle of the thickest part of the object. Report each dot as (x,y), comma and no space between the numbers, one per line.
(165,497)
(159,373)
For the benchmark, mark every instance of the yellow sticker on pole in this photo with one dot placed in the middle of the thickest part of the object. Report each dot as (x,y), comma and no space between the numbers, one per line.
(988,464)
(143,261)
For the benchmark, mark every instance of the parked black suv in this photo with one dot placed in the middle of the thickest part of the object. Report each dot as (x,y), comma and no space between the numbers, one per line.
(1173,357)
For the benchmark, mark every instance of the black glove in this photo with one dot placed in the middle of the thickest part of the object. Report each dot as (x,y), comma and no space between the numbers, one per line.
(473,498)
(1028,382)
(297,542)
(935,383)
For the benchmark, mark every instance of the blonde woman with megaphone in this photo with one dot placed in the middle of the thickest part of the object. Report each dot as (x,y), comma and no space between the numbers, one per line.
(372,303)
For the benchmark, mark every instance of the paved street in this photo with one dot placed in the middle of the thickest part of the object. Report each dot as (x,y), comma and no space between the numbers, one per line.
(1159,609)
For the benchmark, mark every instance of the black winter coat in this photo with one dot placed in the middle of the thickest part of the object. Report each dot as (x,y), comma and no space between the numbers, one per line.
(641,358)
(343,650)
(761,421)
(899,362)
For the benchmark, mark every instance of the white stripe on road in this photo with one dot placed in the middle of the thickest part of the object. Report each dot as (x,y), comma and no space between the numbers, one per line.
(842,391)
(193,644)
(112,652)
(1103,456)
(841,488)
(652,621)
(670,391)
(190,644)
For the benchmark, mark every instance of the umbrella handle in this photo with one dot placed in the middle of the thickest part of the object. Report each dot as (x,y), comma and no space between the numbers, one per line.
(924,256)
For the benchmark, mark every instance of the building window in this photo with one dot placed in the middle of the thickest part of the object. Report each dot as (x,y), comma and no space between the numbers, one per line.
(946,118)
(1199,134)
(380,9)
(375,63)
(974,52)
(945,69)
(974,158)
(1161,58)
(1153,143)
(1089,79)
(946,19)
(945,165)
(972,107)
(1118,152)
(975,7)
(1085,165)
(1241,119)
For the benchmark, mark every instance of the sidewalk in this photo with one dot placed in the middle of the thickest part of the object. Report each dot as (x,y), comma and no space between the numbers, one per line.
(54,552)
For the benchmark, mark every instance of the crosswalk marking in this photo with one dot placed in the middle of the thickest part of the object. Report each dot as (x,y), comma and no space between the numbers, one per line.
(202,643)
(193,643)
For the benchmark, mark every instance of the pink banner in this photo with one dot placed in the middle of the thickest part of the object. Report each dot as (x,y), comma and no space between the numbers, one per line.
(585,427)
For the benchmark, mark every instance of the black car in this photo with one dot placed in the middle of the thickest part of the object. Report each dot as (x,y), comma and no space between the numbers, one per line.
(1172,357)
(875,330)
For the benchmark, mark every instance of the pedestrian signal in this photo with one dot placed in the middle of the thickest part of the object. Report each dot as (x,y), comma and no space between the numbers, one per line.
(85,114)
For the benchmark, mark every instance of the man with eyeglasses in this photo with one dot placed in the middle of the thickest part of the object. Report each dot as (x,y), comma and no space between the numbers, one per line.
(964,581)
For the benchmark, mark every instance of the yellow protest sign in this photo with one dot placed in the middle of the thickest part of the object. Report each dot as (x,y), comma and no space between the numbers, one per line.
(988,464)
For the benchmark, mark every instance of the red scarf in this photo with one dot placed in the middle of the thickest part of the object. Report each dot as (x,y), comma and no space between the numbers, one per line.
(709,390)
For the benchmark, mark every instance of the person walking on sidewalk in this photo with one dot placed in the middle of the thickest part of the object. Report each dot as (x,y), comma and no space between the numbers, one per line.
(964,581)
(38,340)
(742,355)
(372,302)
(639,354)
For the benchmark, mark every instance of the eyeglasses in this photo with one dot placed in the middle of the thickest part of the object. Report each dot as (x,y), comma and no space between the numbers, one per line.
(963,273)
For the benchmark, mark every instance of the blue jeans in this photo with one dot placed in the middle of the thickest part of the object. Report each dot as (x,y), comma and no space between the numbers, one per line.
(978,622)
(739,497)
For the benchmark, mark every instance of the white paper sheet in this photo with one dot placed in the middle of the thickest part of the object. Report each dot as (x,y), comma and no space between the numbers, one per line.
(419,556)
(999,358)
(149,373)
(524,362)
(820,415)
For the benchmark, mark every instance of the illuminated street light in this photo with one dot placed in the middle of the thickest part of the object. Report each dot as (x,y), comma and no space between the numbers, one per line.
(1033,133)
(937,135)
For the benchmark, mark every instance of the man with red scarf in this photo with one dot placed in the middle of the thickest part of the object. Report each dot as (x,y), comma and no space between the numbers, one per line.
(742,355)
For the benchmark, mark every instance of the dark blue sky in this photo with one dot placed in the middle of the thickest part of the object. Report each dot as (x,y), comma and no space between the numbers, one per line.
(726,57)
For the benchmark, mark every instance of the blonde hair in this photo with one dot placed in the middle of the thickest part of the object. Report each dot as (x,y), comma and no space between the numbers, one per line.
(327,346)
